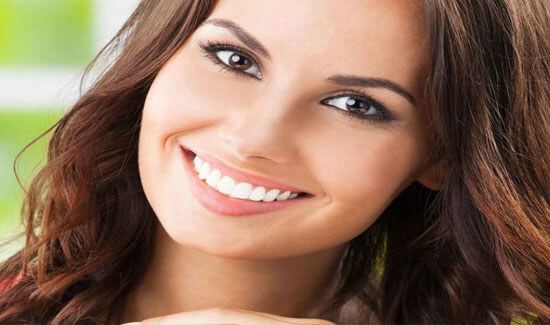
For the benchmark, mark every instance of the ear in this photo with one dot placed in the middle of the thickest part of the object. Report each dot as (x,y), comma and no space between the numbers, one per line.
(432,176)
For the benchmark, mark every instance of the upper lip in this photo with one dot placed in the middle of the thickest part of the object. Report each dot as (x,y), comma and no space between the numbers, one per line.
(242,176)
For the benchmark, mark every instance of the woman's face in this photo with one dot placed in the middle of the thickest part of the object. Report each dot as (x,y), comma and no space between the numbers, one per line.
(280,117)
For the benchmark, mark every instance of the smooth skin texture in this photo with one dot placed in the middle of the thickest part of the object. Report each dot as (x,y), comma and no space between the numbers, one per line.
(228,316)
(280,262)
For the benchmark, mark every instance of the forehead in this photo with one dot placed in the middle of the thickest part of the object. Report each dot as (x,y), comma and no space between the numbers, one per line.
(379,38)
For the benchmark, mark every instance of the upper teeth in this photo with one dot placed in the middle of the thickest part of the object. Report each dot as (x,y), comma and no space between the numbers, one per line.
(226,185)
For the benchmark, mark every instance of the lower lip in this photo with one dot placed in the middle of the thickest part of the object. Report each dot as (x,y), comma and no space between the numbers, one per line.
(219,203)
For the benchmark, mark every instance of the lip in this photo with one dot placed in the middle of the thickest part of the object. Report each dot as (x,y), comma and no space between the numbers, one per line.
(242,176)
(222,204)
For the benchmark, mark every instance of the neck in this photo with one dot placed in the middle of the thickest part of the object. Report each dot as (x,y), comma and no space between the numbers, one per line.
(182,279)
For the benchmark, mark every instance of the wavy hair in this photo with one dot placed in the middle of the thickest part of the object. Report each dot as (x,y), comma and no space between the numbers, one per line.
(476,251)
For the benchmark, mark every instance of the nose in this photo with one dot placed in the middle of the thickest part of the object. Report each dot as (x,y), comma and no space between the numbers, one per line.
(265,130)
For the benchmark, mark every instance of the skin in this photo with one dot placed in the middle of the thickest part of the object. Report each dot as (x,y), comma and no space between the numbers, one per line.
(280,262)
(229,316)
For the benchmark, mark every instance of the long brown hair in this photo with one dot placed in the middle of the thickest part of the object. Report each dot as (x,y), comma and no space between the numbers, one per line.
(476,251)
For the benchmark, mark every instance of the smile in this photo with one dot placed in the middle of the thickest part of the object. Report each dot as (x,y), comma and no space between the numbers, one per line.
(243,190)
(217,191)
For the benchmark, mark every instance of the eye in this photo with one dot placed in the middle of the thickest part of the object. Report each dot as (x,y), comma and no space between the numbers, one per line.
(355,105)
(231,58)
(359,105)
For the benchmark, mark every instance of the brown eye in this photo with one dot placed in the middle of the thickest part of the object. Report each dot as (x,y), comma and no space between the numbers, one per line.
(359,106)
(239,62)
(231,58)
(355,105)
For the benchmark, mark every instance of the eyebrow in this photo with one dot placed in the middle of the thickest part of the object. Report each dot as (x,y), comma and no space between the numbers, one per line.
(241,34)
(344,80)
(369,82)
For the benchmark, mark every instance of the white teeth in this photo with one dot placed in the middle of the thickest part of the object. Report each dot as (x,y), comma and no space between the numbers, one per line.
(204,171)
(213,178)
(283,196)
(257,194)
(198,162)
(241,191)
(226,185)
(271,195)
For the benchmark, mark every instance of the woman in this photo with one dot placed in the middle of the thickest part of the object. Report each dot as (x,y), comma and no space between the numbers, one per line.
(363,161)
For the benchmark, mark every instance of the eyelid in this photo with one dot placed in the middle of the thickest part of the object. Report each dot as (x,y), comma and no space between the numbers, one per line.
(210,47)
(229,45)
(378,104)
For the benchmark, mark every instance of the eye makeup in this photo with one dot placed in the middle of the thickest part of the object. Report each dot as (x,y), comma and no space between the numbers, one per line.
(383,115)
(210,48)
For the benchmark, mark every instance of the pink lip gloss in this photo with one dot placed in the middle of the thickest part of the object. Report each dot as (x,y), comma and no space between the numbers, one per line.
(222,204)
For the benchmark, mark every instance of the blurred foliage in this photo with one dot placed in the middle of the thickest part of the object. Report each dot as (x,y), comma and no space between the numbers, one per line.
(52,32)
(17,129)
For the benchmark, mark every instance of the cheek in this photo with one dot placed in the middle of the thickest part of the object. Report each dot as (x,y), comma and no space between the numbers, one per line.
(188,93)
(362,177)
(359,178)
(171,105)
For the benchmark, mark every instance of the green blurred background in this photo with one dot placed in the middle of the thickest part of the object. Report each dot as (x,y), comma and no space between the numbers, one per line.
(45,32)
(44,47)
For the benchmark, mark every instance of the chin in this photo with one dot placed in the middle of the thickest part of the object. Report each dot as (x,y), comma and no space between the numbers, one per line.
(232,249)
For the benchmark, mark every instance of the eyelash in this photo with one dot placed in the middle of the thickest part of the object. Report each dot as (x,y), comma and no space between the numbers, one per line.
(385,116)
